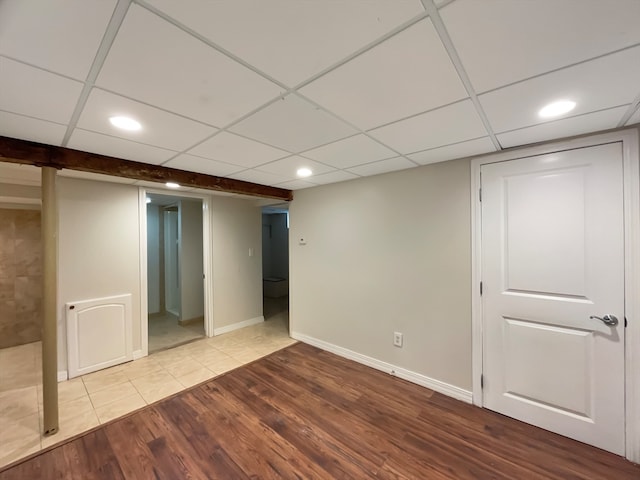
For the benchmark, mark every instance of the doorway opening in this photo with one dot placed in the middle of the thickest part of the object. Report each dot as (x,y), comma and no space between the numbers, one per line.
(275,264)
(175,290)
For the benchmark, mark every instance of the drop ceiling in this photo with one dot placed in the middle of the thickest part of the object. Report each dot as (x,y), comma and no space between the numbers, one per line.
(256,89)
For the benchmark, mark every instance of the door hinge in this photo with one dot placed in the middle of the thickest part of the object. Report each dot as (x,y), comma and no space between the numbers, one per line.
(480,288)
(625,322)
(480,193)
(481,381)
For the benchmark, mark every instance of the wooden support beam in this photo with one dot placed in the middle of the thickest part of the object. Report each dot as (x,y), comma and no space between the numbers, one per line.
(49,302)
(30,153)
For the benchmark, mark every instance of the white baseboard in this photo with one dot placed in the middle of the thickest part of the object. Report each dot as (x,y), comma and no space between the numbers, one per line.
(138,354)
(413,377)
(236,326)
(62,376)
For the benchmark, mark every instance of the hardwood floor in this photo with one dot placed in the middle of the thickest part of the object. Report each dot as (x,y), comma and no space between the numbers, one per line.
(304,413)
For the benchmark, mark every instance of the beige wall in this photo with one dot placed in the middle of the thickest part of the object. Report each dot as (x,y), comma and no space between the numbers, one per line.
(98,248)
(383,254)
(237,277)
(191,282)
(20,277)
(99,252)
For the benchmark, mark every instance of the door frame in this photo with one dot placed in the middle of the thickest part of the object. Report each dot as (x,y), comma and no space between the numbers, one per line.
(629,138)
(206,260)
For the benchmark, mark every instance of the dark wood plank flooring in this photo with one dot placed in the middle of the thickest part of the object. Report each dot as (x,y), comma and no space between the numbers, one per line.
(304,413)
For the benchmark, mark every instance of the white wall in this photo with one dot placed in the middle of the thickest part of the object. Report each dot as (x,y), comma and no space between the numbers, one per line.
(153,258)
(191,271)
(383,254)
(98,248)
(237,277)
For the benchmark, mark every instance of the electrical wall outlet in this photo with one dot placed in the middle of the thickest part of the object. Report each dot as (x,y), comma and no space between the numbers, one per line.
(397,339)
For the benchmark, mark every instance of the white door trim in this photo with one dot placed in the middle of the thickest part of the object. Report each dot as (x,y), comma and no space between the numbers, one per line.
(631,168)
(206,258)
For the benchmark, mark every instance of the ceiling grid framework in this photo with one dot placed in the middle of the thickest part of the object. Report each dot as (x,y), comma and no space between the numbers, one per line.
(253,91)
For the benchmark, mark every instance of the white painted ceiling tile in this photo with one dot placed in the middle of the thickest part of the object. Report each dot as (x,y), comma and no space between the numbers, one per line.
(447,125)
(500,42)
(192,163)
(159,128)
(333,177)
(32,129)
(294,125)
(169,68)
(117,147)
(382,166)
(61,36)
(289,39)
(295,185)
(590,122)
(606,82)
(351,151)
(287,167)
(48,96)
(97,177)
(407,74)
(635,118)
(262,178)
(457,150)
(238,150)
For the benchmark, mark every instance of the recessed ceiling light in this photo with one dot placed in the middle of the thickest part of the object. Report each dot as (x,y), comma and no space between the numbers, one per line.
(557,108)
(125,123)
(304,172)
(172,185)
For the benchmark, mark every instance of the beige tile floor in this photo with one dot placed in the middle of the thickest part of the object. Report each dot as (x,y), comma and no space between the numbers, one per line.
(165,332)
(99,397)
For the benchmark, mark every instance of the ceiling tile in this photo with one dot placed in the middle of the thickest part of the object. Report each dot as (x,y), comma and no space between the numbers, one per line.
(457,150)
(98,177)
(295,185)
(169,68)
(51,35)
(232,148)
(566,127)
(382,166)
(159,128)
(48,96)
(333,177)
(262,178)
(635,118)
(192,163)
(117,147)
(287,167)
(351,151)
(294,125)
(19,174)
(27,128)
(407,74)
(289,39)
(510,41)
(609,81)
(444,126)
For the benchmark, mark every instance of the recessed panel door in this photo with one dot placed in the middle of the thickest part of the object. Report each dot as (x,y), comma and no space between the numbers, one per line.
(553,292)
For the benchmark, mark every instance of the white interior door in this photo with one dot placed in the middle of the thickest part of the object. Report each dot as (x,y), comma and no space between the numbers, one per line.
(552,257)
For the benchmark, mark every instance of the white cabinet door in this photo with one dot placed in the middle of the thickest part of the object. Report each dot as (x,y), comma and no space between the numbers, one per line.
(99,334)
(552,257)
